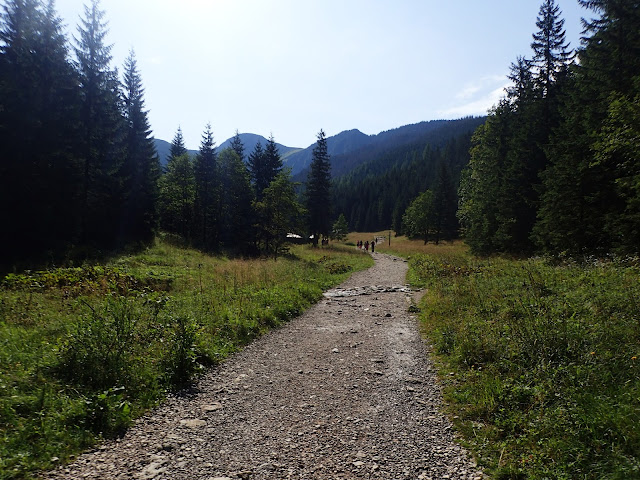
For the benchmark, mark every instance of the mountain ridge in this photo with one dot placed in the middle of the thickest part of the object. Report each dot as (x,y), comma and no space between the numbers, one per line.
(347,149)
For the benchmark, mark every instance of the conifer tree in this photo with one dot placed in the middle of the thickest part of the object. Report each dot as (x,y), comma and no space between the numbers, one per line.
(273,162)
(256,170)
(177,196)
(445,206)
(318,191)
(238,146)
(206,206)
(102,130)
(38,131)
(551,54)
(237,217)
(141,170)
(583,209)
(178,147)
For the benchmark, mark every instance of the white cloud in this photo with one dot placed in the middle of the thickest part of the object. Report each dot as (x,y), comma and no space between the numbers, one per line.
(477,98)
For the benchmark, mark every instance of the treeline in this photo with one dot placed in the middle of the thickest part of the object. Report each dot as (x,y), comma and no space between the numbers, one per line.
(376,195)
(79,173)
(556,166)
(218,201)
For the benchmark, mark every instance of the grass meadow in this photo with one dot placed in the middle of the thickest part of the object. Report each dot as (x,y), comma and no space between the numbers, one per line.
(539,358)
(84,351)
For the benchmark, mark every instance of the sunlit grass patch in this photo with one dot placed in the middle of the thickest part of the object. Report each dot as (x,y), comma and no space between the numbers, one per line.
(545,359)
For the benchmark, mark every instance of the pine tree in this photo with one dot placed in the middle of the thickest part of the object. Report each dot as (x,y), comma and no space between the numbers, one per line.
(238,146)
(583,209)
(318,191)
(237,217)
(445,206)
(178,147)
(141,170)
(551,54)
(177,196)
(39,101)
(256,170)
(102,130)
(272,161)
(206,206)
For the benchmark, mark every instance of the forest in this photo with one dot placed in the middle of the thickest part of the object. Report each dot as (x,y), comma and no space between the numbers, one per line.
(81,171)
(552,169)
(555,167)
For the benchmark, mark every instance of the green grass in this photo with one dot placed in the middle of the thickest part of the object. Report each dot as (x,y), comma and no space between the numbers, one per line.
(83,351)
(541,362)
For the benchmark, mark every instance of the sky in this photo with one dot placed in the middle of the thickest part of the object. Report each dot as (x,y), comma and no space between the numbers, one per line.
(289,68)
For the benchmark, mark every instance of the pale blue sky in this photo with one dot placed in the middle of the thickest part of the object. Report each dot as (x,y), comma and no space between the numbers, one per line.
(292,67)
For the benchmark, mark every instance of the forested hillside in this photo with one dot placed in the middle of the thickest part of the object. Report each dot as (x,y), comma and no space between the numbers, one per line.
(555,168)
(375,194)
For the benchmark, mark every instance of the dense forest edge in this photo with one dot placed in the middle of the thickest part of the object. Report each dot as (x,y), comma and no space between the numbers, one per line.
(107,247)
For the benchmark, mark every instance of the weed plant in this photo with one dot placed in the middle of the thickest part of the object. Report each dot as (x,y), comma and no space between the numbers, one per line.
(540,361)
(85,350)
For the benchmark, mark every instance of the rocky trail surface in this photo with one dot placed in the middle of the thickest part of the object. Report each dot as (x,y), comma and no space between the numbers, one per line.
(346,391)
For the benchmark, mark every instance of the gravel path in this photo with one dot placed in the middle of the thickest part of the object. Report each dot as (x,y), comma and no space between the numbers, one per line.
(345,391)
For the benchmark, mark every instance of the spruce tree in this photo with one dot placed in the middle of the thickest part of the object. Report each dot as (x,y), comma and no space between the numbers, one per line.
(256,170)
(238,146)
(102,129)
(445,205)
(39,100)
(551,54)
(318,191)
(177,196)
(237,217)
(178,147)
(583,209)
(272,161)
(141,170)
(206,206)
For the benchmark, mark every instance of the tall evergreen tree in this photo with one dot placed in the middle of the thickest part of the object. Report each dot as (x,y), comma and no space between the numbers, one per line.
(102,129)
(141,170)
(206,206)
(177,196)
(178,147)
(236,211)
(273,162)
(445,206)
(238,146)
(38,130)
(256,170)
(264,165)
(318,191)
(551,54)
(582,209)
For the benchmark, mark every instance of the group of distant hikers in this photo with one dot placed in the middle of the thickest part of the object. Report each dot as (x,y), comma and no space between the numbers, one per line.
(366,245)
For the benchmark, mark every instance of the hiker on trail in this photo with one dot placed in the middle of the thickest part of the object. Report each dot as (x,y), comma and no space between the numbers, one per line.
(366,245)
(373,246)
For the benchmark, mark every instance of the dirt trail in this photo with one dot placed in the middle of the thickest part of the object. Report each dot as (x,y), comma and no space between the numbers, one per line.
(344,391)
